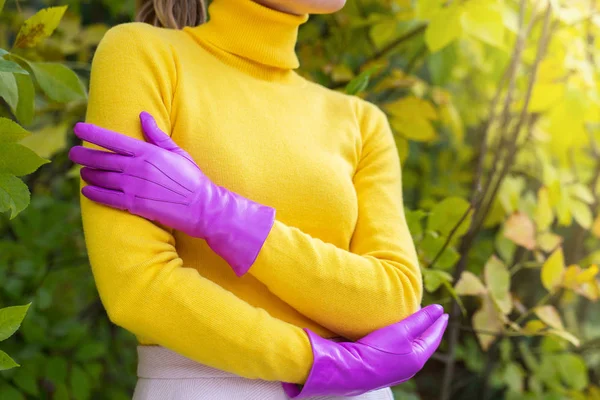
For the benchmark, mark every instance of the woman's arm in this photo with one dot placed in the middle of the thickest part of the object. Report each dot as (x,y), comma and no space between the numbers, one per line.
(142,281)
(377,282)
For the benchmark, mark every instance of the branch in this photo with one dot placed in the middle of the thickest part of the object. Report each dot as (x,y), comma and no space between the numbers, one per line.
(523,117)
(382,52)
(450,236)
(467,241)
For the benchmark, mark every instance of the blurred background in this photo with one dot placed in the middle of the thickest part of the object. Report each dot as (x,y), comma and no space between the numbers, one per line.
(496,110)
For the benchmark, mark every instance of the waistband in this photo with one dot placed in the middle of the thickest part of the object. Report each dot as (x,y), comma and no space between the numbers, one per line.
(162,363)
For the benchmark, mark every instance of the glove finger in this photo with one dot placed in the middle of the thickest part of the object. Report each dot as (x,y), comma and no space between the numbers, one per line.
(104,179)
(159,138)
(114,141)
(422,320)
(108,197)
(98,159)
(427,343)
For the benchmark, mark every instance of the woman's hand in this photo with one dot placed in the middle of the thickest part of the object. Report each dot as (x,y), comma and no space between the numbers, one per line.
(159,181)
(386,357)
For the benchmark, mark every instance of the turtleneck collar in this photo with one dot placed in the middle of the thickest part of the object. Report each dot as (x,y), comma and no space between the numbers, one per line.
(253,31)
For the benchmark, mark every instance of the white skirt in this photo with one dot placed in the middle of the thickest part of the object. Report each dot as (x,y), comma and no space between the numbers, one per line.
(166,375)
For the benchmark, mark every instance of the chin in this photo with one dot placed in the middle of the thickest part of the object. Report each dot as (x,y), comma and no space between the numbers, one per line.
(307,6)
(326,6)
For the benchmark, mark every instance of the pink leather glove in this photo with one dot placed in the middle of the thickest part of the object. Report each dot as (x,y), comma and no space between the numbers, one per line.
(161,182)
(385,357)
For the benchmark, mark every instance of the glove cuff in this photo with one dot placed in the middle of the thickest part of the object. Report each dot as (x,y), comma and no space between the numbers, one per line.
(236,229)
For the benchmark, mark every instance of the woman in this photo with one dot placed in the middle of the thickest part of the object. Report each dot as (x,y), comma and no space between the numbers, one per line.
(279,225)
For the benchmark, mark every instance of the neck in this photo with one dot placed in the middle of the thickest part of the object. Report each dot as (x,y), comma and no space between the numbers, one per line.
(253,31)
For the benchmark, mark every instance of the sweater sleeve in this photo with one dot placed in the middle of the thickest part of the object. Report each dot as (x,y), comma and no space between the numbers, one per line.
(143,283)
(378,281)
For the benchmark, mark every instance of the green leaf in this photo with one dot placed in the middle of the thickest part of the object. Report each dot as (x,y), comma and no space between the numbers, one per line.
(26,380)
(441,63)
(513,377)
(90,351)
(13,67)
(19,160)
(10,131)
(572,370)
(361,82)
(469,285)
(2,7)
(582,214)
(431,245)
(6,362)
(497,279)
(14,194)
(26,105)
(56,369)
(7,392)
(39,26)
(58,82)
(9,90)
(2,51)
(485,21)
(10,320)
(61,392)
(434,278)
(444,28)
(446,214)
(80,383)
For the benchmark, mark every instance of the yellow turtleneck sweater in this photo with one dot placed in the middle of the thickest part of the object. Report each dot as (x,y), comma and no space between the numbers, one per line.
(339,259)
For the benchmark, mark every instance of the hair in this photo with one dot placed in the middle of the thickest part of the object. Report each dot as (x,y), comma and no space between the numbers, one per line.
(174,14)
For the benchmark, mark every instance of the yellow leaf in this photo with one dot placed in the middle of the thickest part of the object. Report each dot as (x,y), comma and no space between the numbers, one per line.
(419,130)
(520,229)
(589,290)
(425,9)
(570,276)
(444,27)
(48,140)
(587,275)
(488,321)
(484,20)
(469,285)
(550,316)
(534,326)
(341,73)
(545,96)
(497,279)
(582,214)
(565,335)
(581,192)
(411,118)
(412,105)
(548,241)
(553,270)
(543,213)
(39,26)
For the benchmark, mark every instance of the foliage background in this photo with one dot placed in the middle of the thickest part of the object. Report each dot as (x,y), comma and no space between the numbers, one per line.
(496,111)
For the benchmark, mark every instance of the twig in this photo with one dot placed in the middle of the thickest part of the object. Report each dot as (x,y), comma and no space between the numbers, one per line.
(382,52)
(451,236)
